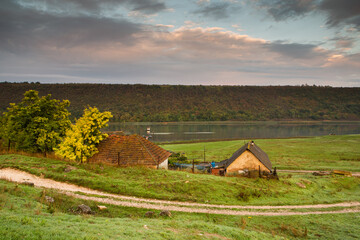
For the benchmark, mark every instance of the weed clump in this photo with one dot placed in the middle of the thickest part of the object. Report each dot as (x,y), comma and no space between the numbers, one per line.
(294,231)
(242,224)
(26,220)
(247,193)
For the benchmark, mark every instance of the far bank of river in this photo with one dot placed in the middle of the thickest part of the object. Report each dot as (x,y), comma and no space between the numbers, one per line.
(187,131)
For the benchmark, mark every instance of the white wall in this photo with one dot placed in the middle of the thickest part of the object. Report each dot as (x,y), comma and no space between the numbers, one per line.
(164,164)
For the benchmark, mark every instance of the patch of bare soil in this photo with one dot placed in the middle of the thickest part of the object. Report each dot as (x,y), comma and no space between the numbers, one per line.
(71,189)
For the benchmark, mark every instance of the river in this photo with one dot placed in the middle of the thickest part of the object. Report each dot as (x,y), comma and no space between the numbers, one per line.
(185,131)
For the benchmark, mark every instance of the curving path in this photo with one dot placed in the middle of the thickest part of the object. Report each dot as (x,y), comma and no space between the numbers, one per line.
(114,199)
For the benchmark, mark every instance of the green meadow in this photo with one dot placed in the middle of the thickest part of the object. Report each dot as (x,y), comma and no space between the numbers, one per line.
(186,186)
(312,153)
(25,214)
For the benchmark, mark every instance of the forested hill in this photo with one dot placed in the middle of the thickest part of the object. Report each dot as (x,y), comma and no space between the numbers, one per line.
(195,103)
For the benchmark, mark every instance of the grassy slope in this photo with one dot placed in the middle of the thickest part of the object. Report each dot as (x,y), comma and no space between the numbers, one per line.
(184,186)
(315,153)
(25,214)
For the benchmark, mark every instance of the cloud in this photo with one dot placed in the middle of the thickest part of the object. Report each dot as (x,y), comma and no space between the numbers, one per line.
(94,6)
(281,10)
(28,30)
(202,1)
(344,43)
(216,10)
(45,46)
(85,39)
(164,26)
(296,50)
(147,6)
(349,63)
(342,12)
(337,12)
(187,56)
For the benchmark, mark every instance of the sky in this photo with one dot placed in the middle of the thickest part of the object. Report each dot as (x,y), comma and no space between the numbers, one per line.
(191,42)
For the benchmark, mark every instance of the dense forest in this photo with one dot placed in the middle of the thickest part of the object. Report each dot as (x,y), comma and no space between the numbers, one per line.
(198,103)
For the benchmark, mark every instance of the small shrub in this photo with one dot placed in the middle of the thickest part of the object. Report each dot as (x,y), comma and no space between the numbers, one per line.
(51,209)
(295,232)
(244,196)
(247,193)
(4,189)
(149,214)
(284,227)
(242,224)
(3,199)
(348,183)
(16,188)
(27,205)
(42,196)
(37,211)
(26,220)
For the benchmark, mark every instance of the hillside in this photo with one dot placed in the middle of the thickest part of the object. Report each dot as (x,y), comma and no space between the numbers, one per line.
(27,213)
(199,103)
(192,199)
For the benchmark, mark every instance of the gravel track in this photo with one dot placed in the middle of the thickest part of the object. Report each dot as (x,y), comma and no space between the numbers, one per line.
(114,199)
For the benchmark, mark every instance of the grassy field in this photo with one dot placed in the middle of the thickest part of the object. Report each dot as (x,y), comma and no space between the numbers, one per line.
(25,214)
(185,186)
(313,153)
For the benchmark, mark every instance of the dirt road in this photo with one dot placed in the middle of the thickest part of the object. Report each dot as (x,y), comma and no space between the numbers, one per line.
(354,174)
(114,199)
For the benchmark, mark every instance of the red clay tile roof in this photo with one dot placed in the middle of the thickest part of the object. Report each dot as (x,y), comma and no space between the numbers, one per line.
(129,150)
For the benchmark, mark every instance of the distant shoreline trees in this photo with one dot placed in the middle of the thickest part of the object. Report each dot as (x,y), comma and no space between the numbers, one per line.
(174,103)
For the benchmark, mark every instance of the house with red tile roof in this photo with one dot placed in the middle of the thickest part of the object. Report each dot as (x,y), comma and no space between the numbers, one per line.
(132,150)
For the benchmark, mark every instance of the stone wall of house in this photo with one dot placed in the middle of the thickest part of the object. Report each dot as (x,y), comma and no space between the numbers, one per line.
(248,161)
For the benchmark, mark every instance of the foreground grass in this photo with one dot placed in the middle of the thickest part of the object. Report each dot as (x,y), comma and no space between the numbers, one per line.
(184,186)
(25,214)
(313,153)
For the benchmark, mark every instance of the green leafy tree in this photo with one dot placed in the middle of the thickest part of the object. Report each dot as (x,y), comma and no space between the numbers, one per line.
(36,124)
(82,138)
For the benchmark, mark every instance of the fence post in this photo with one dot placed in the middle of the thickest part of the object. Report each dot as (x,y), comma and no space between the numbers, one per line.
(204,154)
(259,172)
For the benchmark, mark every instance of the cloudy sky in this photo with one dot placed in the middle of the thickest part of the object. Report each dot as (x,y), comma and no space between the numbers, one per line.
(209,42)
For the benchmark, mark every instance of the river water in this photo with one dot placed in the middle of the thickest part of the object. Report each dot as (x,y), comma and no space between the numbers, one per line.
(184,131)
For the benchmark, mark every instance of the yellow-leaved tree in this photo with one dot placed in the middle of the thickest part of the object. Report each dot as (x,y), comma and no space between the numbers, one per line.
(82,138)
